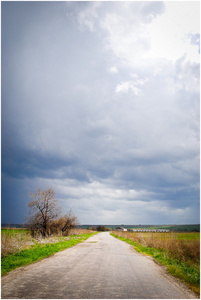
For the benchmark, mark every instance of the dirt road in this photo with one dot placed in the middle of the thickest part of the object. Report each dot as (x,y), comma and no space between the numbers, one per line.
(100,268)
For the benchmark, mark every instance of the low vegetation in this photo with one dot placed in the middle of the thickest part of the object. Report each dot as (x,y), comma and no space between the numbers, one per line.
(19,248)
(180,252)
(98,228)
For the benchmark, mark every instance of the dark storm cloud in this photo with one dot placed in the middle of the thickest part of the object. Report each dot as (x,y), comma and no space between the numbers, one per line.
(23,163)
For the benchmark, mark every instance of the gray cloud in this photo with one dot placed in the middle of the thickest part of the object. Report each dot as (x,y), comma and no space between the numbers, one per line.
(113,144)
(195,40)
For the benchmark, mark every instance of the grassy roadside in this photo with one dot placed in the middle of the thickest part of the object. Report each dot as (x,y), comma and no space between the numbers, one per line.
(38,251)
(187,273)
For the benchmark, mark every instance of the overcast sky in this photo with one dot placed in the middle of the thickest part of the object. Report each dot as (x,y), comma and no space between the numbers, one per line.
(100,101)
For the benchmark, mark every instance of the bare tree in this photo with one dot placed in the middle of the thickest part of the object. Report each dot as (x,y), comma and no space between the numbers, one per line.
(43,209)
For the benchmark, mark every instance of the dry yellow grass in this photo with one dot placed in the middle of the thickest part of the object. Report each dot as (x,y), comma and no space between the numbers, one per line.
(79,231)
(178,246)
(15,240)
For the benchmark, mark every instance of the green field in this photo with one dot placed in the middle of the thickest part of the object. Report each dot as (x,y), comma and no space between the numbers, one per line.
(173,228)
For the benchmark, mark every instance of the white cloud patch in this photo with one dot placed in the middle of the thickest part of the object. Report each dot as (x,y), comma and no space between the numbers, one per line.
(126,87)
(125,39)
(169,33)
(113,70)
(87,16)
(134,87)
(144,36)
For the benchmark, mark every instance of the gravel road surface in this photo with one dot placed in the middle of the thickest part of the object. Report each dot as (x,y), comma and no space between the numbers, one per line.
(100,268)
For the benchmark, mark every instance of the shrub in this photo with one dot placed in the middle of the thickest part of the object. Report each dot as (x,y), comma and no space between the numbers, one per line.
(101,228)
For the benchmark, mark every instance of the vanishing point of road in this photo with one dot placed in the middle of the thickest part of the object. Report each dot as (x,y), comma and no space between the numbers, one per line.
(100,268)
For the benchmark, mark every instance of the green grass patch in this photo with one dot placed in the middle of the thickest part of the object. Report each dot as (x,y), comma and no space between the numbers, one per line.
(38,252)
(190,274)
(13,231)
(188,236)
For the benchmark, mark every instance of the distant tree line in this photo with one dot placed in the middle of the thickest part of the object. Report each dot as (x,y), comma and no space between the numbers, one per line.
(45,216)
(98,228)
